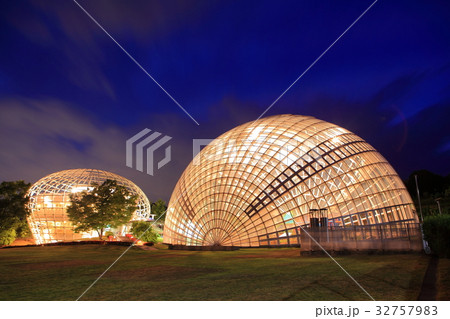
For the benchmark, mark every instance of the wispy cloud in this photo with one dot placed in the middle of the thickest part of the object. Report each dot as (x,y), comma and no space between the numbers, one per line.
(44,136)
(62,28)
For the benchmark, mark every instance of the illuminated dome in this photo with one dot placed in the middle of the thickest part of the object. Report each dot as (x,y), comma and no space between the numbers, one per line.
(257,183)
(49,198)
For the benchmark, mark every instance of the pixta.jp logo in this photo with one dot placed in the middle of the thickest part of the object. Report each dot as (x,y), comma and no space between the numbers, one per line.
(148,142)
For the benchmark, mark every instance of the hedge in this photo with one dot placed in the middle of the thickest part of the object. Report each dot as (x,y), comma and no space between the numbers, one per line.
(436,230)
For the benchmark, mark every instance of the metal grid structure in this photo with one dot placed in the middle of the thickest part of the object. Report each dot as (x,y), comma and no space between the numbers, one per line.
(257,183)
(50,197)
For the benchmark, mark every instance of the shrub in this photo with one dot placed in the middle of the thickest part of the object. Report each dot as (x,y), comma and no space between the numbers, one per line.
(436,230)
(109,233)
(7,236)
(23,230)
(144,231)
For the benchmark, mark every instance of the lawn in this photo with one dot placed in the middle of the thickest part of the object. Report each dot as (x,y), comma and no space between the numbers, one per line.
(64,272)
(443,279)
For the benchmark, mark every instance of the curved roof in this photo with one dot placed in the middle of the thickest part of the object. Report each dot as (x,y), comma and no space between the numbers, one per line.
(49,198)
(258,182)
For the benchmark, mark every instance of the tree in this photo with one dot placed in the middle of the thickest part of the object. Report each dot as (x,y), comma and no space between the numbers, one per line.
(144,231)
(158,209)
(13,211)
(432,187)
(105,205)
(429,183)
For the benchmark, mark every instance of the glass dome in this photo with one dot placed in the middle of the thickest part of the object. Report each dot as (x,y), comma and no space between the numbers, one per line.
(49,198)
(255,184)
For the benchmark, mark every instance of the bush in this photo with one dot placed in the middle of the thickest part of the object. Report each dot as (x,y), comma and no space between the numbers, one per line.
(436,230)
(109,233)
(13,211)
(23,230)
(144,231)
(7,236)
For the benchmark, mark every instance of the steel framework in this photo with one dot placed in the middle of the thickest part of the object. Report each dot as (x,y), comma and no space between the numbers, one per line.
(256,184)
(49,198)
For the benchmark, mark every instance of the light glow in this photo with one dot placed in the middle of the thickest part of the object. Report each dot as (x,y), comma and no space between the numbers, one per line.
(295,164)
(50,197)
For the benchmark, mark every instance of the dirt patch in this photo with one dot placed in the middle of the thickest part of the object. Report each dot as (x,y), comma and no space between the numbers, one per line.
(56,264)
(159,273)
(23,242)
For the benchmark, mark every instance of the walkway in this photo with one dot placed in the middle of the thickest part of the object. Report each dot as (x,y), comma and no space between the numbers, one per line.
(428,291)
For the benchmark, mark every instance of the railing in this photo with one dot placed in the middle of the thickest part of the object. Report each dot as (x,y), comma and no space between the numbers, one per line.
(389,236)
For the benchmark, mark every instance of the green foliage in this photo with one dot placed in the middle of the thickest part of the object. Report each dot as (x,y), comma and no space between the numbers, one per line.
(431,187)
(109,233)
(158,209)
(429,183)
(23,230)
(108,204)
(7,236)
(144,231)
(436,230)
(13,211)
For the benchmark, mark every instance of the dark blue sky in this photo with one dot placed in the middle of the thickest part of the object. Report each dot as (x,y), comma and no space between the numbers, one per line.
(69,97)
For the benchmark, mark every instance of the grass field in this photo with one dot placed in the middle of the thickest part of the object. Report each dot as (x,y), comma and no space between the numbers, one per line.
(64,272)
(443,279)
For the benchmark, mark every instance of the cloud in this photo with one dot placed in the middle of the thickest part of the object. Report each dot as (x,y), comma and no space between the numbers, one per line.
(409,131)
(141,19)
(76,45)
(42,136)
(49,135)
(39,137)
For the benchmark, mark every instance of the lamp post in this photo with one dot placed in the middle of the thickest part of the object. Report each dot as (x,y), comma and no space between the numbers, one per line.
(439,205)
(418,196)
